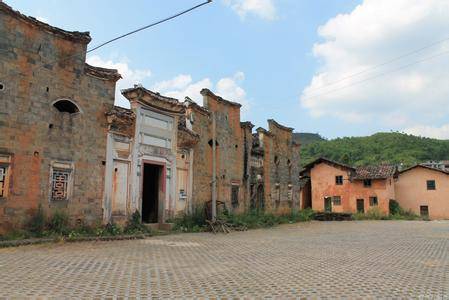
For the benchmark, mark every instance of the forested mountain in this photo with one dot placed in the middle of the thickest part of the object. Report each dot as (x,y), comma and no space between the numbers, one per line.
(305,138)
(392,148)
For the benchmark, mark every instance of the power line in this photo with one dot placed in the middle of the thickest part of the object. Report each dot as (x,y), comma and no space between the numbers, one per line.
(135,31)
(382,64)
(148,26)
(378,75)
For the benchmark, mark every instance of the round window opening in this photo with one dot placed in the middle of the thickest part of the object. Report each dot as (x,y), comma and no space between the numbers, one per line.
(2,86)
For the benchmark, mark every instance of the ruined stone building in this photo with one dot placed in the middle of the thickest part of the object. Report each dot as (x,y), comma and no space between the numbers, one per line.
(53,127)
(253,171)
(161,159)
(65,146)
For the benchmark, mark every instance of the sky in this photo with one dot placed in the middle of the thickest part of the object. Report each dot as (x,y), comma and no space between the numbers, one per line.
(333,67)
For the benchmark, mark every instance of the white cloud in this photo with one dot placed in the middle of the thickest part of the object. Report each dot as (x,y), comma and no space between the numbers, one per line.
(130,76)
(182,85)
(375,32)
(264,9)
(429,131)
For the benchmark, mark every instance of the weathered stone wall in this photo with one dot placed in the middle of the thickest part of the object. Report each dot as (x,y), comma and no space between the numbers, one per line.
(284,169)
(230,150)
(202,156)
(38,66)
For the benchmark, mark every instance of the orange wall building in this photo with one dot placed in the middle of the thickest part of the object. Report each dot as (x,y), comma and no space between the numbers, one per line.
(425,191)
(337,187)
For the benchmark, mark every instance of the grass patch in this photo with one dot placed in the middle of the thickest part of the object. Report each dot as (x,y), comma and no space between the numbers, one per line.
(58,226)
(196,222)
(397,214)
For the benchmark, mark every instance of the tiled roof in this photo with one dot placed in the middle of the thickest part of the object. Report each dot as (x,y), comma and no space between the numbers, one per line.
(104,73)
(207,92)
(374,172)
(425,167)
(82,37)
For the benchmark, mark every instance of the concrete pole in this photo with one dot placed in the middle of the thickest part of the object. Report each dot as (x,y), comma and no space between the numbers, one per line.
(214,166)
(190,195)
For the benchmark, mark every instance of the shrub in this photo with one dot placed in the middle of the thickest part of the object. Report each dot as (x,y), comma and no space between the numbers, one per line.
(111,229)
(303,215)
(36,225)
(190,222)
(134,224)
(394,207)
(59,223)
(372,214)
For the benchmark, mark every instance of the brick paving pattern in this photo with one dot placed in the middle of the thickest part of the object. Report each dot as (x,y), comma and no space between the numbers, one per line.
(317,260)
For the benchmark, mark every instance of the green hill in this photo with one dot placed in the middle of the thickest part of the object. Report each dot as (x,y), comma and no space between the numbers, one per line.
(392,148)
(305,138)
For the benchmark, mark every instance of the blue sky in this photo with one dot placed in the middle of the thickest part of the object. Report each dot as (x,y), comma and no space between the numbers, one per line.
(273,56)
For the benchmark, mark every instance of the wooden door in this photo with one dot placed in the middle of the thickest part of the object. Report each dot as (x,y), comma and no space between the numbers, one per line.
(328,204)
(119,187)
(361,206)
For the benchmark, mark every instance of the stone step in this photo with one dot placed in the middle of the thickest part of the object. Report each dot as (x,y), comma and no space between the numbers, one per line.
(160,226)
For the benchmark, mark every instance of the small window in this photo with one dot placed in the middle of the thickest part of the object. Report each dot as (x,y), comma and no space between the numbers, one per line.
(336,200)
(3,180)
(367,183)
(2,86)
(5,161)
(235,196)
(60,184)
(339,180)
(424,211)
(431,185)
(373,201)
(66,106)
(276,160)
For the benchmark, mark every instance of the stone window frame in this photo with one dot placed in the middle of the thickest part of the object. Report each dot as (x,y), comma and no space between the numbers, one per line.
(61,166)
(5,165)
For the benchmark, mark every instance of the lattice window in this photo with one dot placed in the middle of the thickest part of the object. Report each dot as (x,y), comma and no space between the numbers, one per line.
(60,185)
(3,170)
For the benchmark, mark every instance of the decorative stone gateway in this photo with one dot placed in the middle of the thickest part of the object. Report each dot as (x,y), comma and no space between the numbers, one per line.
(52,121)
(160,171)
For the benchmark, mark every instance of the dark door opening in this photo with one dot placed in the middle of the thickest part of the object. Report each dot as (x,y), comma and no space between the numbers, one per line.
(361,206)
(424,211)
(328,204)
(150,193)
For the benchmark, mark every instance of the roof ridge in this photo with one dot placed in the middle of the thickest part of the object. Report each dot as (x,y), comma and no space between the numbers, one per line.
(77,36)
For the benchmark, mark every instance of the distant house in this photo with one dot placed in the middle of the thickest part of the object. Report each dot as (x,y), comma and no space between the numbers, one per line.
(425,191)
(437,164)
(335,187)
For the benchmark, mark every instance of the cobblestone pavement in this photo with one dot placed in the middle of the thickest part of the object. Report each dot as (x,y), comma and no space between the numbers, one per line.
(330,259)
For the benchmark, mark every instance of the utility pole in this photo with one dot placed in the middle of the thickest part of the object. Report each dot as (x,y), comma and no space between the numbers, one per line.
(214,166)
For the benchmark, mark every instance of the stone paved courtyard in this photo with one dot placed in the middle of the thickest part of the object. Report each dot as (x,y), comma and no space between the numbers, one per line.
(332,259)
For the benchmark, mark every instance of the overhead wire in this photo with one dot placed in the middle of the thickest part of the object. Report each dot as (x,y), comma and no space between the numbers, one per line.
(377,76)
(132,32)
(369,69)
